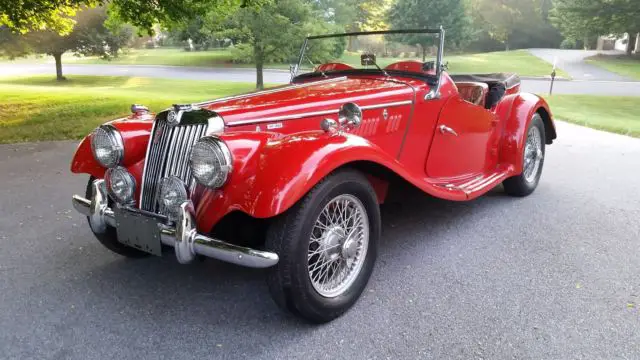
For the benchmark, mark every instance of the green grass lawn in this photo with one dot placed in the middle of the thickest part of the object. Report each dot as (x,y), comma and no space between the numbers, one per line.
(40,108)
(622,65)
(611,113)
(518,61)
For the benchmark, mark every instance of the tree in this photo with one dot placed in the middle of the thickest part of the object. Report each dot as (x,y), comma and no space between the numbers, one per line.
(431,14)
(502,18)
(581,18)
(270,33)
(53,15)
(355,15)
(89,36)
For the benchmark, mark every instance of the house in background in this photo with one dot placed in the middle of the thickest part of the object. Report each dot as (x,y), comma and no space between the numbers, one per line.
(622,43)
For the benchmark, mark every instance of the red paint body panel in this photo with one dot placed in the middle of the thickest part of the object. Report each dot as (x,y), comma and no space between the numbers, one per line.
(279,152)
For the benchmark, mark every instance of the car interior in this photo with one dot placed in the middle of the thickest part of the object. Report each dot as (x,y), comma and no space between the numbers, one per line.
(485,89)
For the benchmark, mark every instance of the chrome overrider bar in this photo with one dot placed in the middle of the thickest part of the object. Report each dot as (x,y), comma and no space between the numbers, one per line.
(183,237)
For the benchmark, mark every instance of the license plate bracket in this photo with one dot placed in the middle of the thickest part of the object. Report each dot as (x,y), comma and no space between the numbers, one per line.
(138,231)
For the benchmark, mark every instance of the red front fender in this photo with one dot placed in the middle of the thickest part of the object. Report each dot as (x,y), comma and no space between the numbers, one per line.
(271,172)
(135,135)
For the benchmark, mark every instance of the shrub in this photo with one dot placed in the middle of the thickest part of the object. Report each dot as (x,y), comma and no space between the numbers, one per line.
(568,44)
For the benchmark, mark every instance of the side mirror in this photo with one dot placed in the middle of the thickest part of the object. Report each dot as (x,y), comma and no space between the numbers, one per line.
(367,59)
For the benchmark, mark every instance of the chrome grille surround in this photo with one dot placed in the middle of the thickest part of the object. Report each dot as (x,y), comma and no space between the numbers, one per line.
(169,148)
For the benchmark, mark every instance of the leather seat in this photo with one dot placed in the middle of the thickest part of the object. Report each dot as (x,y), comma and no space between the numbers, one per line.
(473,92)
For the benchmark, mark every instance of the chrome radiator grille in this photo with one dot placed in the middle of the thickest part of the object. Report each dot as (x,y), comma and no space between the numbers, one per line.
(168,155)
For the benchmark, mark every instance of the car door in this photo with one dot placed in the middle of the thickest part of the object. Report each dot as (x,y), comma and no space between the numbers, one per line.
(461,143)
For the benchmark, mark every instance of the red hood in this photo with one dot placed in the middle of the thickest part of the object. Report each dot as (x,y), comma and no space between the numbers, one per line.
(317,96)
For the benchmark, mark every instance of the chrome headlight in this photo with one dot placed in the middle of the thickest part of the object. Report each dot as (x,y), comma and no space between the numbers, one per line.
(121,185)
(210,162)
(172,194)
(107,146)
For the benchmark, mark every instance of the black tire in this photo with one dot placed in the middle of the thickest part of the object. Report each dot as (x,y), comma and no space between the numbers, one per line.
(519,185)
(110,239)
(289,235)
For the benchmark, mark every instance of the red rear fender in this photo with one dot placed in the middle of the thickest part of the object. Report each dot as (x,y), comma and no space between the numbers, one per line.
(516,112)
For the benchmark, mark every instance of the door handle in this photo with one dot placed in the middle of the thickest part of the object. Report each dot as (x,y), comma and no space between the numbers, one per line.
(446,129)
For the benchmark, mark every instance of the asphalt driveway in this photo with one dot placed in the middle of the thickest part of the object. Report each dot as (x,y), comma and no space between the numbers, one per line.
(541,86)
(572,61)
(551,276)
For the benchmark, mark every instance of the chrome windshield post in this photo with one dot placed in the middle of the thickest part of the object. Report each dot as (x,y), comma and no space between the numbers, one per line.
(296,67)
(434,93)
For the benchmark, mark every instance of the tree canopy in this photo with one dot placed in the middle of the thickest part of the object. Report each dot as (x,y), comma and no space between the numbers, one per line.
(56,15)
(580,18)
(411,14)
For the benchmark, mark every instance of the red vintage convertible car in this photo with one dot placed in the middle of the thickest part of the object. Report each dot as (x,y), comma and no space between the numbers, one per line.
(291,178)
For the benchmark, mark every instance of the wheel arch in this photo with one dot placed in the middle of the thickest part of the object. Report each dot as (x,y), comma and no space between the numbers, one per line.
(549,126)
(520,110)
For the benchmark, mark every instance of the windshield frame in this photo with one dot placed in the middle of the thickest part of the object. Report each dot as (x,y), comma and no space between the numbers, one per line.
(440,31)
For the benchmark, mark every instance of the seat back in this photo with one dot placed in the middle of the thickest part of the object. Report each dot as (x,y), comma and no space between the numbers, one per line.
(473,92)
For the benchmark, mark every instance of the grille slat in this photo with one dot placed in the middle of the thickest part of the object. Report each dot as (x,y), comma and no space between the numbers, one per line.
(168,156)
(184,150)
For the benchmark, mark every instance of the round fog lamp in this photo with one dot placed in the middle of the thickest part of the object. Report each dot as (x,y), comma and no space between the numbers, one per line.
(172,194)
(121,185)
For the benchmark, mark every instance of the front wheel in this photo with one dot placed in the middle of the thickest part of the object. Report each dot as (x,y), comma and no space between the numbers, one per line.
(533,160)
(327,244)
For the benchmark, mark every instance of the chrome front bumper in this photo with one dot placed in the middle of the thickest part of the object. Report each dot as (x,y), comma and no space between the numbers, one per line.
(183,237)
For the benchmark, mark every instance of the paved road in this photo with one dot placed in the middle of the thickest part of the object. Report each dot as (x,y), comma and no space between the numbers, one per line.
(572,61)
(551,276)
(276,76)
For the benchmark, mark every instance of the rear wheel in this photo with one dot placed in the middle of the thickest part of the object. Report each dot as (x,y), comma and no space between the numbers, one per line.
(533,160)
(327,245)
(109,238)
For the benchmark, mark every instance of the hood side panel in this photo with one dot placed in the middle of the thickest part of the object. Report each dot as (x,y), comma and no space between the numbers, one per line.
(294,102)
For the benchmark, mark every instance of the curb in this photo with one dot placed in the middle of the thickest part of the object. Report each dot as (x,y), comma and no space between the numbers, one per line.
(546,77)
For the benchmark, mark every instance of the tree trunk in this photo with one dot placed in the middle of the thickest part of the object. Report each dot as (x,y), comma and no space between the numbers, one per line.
(58,58)
(259,74)
(631,44)
(424,52)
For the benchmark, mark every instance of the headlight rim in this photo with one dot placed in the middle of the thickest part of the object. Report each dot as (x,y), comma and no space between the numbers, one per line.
(116,138)
(217,143)
(132,182)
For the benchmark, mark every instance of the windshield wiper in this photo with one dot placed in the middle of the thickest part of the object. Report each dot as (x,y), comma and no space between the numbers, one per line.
(381,69)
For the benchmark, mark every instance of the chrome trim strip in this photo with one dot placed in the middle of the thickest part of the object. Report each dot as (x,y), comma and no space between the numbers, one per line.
(286,117)
(146,158)
(391,104)
(317,113)
(271,91)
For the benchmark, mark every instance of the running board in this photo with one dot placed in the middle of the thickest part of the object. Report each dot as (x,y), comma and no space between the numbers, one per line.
(478,185)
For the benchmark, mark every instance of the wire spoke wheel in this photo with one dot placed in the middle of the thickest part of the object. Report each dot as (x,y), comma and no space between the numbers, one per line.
(338,245)
(533,154)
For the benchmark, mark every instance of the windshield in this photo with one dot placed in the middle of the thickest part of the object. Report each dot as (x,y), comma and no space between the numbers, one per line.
(396,50)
